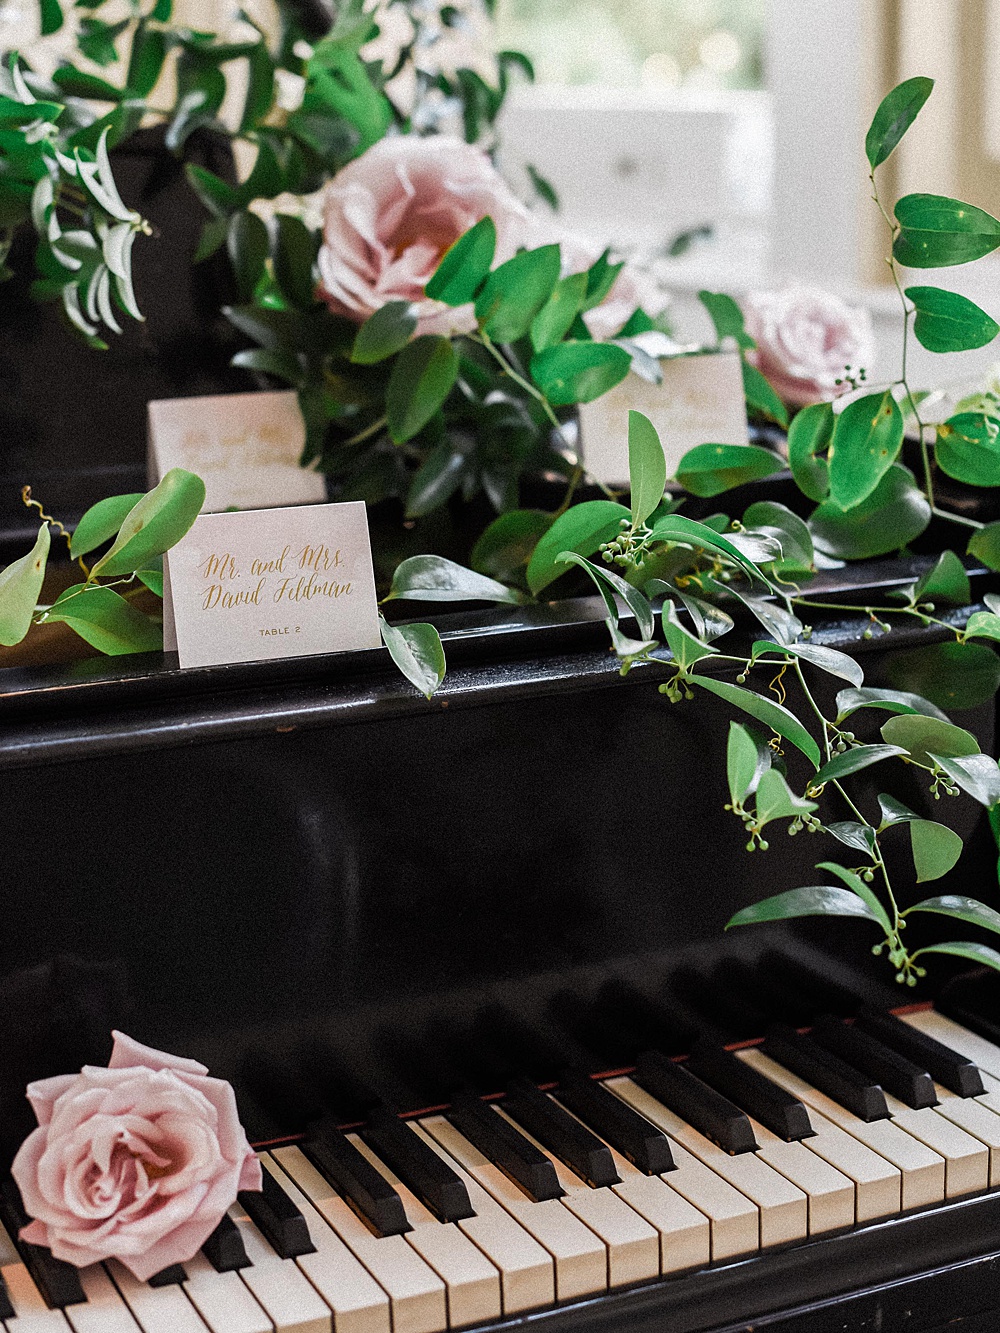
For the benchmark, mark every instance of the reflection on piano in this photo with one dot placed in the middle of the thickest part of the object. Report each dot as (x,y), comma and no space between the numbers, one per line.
(495,1078)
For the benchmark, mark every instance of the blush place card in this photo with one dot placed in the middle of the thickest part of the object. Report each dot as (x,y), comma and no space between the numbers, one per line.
(244,446)
(700,401)
(271,583)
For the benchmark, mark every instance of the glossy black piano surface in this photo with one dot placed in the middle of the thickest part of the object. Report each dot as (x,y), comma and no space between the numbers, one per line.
(336,894)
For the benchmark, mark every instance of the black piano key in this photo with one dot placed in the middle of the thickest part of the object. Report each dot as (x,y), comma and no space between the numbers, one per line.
(560,1134)
(953,1071)
(428,1175)
(498,1140)
(731,1015)
(778,1110)
(826,1072)
(224,1248)
(169,1277)
(819,991)
(699,1105)
(278,1218)
(363,1186)
(7,1310)
(58,1281)
(894,1072)
(630,1133)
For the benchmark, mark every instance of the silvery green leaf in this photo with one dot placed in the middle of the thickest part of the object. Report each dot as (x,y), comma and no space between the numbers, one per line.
(104,301)
(24,94)
(116,246)
(756,547)
(645,366)
(91,295)
(67,163)
(123,286)
(993,602)
(107,180)
(42,198)
(71,304)
(859,836)
(90,176)
(710,622)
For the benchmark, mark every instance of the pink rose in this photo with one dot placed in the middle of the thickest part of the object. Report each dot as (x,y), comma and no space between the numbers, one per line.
(136,1162)
(805,339)
(392,213)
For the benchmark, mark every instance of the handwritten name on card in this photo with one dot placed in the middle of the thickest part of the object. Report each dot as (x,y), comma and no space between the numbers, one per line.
(245,447)
(272,583)
(700,401)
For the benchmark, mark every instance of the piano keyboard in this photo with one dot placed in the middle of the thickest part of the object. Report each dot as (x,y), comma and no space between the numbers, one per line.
(492,1210)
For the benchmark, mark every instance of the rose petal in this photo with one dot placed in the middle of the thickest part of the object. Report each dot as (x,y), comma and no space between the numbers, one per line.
(127,1051)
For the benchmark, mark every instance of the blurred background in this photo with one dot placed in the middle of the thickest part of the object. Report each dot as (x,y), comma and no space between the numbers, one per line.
(719,143)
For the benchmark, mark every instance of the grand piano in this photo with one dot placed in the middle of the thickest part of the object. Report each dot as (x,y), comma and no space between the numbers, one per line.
(504,1068)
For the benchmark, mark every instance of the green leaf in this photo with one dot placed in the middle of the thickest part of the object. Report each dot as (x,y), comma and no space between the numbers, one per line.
(867,438)
(152,578)
(248,245)
(20,586)
(52,16)
(853,761)
(894,812)
(516,291)
(465,265)
(679,528)
(727,318)
(218,197)
(937,231)
(542,187)
(974,953)
(149,50)
(747,759)
(820,900)
(436,479)
(579,372)
(946,580)
(896,113)
(859,836)
(601,277)
(827,659)
(285,365)
(893,515)
(947,322)
(921,735)
(647,467)
(384,333)
(962,908)
(985,545)
(294,254)
(968,448)
(157,522)
(936,848)
(976,774)
(556,316)
(260,87)
(96,39)
(776,800)
(770,518)
(581,529)
(892,701)
(504,549)
(709,621)
(809,437)
(76,83)
(983,625)
(761,397)
(417,651)
(432,578)
(685,647)
(100,522)
(613,585)
(106,621)
(773,715)
(421,379)
(952,675)
(857,885)
(710,469)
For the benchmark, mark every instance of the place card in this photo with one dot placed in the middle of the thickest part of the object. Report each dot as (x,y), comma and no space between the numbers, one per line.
(245,447)
(271,583)
(700,401)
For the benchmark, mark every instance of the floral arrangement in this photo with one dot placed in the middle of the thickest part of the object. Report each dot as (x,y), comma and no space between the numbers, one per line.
(137,1162)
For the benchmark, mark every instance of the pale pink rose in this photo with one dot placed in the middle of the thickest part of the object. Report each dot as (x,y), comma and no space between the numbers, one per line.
(806,337)
(392,213)
(136,1162)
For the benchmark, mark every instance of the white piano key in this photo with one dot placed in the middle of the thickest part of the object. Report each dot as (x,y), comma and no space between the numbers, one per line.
(976,1118)
(966,1159)
(633,1246)
(104,1311)
(472,1283)
(733,1218)
(923,1171)
(284,1293)
(358,1303)
(415,1291)
(877,1183)
(829,1193)
(579,1256)
(784,1212)
(959,1038)
(156,1309)
(222,1300)
(33,1315)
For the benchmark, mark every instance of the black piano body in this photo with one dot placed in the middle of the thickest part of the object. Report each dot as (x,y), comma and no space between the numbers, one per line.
(310,878)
